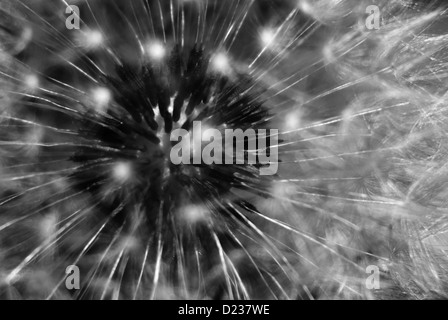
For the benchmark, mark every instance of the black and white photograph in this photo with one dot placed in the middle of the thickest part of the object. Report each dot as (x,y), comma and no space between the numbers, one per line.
(239,152)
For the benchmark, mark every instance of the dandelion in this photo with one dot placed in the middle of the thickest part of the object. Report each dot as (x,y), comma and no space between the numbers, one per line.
(86,178)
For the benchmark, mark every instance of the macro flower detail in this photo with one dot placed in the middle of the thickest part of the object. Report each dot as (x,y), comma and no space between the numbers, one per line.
(355,117)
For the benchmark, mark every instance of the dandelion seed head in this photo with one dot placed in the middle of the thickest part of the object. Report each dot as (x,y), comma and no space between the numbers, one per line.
(305,6)
(220,63)
(93,39)
(292,120)
(48,225)
(122,171)
(101,97)
(362,150)
(156,50)
(129,243)
(32,82)
(267,37)
(194,214)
